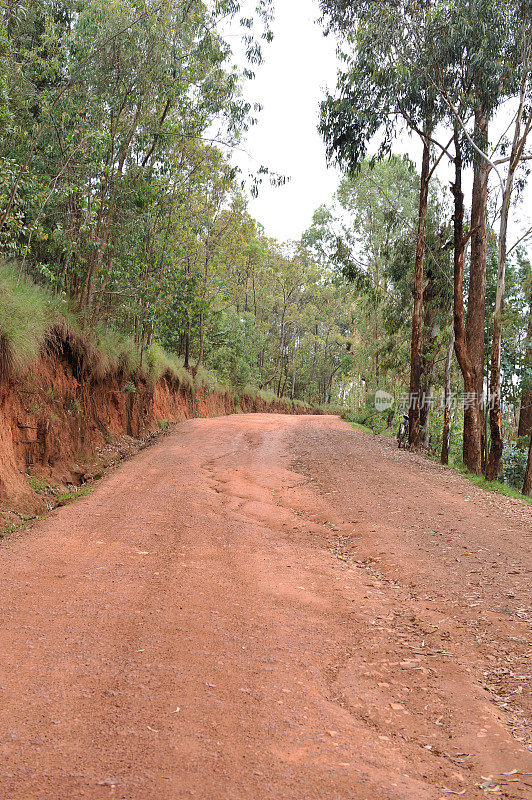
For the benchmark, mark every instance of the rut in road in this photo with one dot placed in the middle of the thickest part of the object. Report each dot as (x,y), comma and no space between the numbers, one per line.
(269,608)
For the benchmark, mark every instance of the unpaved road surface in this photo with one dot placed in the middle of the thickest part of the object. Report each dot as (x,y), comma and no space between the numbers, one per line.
(269,608)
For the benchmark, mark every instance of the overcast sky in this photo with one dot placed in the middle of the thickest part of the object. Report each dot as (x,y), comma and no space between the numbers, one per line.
(298,64)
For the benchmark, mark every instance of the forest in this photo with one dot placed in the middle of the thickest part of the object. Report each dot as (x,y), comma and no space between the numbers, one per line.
(124,219)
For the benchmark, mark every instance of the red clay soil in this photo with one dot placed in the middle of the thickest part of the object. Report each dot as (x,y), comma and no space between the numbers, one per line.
(61,424)
(269,608)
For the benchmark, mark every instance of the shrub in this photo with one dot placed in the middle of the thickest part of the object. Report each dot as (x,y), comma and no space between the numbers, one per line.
(26,313)
(514,465)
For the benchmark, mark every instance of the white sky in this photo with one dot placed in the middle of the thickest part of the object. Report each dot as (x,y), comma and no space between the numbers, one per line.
(299,63)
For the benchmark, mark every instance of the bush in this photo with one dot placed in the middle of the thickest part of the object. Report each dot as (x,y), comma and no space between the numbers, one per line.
(514,465)
(210,380)
(118,352)
(157,363)
(26,314)
(369,417)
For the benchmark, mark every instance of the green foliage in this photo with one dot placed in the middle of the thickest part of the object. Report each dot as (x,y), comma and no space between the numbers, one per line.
(114,196)
(367,418)
(36,484)
(359,427)
(233,346)
(493,486)
(158,363)
(74,494)
(514,464)
(27,312)
(118,351)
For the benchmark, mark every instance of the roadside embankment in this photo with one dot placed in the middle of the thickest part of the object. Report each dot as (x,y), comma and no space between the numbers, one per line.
(63,421)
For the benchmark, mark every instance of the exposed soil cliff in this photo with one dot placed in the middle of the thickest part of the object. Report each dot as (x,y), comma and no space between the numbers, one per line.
(61,423)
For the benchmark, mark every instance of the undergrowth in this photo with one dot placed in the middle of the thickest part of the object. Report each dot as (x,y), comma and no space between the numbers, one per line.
(73,495)
(364,422)
(27,314)
(33,319)
(490,486)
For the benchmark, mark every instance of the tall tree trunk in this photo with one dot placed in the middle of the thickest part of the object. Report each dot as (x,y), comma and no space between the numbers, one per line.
(202,312)
(429,351)
(525,414)
(293,391)
(472,436)
(187,346)
(280,352)
(496,448)
(417,317)
(527,486)
(447,418)
(476,303)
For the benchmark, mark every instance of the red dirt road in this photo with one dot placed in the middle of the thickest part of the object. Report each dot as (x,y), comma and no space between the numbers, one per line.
(269,608)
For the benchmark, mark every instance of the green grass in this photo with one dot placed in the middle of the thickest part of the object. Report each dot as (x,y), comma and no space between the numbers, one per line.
(157,363)
(358,427)
(491,486)
(390,433)
(36,484)
(32,317)
(268,397)
(27,312)
(116,352)
(73,495)
(207,379)
(13,527)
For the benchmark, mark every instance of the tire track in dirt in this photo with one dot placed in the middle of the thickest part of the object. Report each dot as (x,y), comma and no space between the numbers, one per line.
(262,607)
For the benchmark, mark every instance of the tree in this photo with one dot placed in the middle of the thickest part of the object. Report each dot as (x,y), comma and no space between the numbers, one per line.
(525,415)
(378,88)
(527,486)
(461,55)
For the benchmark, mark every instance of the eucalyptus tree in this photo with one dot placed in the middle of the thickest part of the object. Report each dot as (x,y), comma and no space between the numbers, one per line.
(377,91)
(463,54)
(525,415)
(493,47)
(521,130)
(379,203)
(107,87)
(527,485)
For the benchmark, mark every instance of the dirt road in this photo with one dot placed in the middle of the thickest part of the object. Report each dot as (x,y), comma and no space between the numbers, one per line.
(269,608)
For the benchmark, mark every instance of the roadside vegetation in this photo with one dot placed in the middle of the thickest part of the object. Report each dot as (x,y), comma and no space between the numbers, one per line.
(122,218)
(445,281)
(124,225)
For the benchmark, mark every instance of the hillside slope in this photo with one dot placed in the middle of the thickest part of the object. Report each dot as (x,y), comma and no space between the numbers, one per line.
(62,420)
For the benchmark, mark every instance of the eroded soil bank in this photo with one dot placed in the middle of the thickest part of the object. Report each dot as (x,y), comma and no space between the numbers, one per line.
(266,607)
(62,426)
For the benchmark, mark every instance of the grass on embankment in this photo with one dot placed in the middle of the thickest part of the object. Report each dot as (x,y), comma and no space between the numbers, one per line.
(388,432)
(490,486)
(364,428)
(479,480)
(31,318)
(27,314)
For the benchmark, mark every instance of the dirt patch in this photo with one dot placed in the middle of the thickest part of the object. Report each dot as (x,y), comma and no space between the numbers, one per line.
(60,427)
(269,607)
